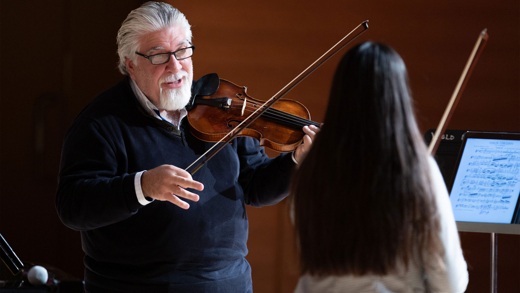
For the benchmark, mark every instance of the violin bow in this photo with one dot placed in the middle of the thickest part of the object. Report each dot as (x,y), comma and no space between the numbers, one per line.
(470,65)
(299,78)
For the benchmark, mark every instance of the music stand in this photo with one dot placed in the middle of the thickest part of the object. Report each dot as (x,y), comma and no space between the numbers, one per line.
(485,193)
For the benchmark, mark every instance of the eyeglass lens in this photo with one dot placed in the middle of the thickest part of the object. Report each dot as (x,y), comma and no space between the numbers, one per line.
(165,57)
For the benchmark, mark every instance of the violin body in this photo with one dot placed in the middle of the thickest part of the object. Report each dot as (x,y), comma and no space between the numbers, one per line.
(280,128)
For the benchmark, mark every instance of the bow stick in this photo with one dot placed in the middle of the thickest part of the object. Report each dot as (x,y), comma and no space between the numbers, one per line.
(251,118)
(470,65)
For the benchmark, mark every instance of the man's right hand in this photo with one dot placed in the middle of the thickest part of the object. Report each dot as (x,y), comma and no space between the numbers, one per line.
(168,183)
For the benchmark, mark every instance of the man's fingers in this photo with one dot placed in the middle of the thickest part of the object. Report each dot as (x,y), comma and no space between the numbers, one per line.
(177,201)
(188,183)
(311,130)
(308,130)
(310,133)
(179,191)
(169,183)
(307,140)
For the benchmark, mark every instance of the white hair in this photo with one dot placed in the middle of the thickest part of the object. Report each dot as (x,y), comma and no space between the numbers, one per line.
(150,17)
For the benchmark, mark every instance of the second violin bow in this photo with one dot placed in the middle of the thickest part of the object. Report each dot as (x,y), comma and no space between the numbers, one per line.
(470,65)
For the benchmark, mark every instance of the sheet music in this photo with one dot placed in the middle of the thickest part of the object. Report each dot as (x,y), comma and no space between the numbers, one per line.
(487,184)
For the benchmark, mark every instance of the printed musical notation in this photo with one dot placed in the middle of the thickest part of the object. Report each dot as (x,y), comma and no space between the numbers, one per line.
(487,184)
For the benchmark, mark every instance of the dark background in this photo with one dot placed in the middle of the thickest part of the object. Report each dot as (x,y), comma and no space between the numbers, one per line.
(56,56)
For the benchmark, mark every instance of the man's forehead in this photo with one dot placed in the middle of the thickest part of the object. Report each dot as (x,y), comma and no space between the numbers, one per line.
(164,39)
(157,48)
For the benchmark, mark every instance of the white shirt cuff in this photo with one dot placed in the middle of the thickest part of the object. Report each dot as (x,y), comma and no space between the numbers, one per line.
(294,160)
(139,191)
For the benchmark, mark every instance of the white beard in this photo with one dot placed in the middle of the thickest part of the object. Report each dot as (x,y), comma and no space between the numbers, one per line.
(175,99)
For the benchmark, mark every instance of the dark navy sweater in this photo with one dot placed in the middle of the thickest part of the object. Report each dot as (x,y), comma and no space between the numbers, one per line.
(160,247)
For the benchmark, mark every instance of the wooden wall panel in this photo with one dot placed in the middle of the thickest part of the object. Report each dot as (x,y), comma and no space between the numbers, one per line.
(67,48)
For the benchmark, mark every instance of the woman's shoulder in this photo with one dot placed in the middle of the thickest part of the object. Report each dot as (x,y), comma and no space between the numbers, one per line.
(405,281)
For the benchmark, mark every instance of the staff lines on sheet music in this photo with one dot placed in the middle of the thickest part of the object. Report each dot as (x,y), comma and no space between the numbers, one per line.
(475,191)
(494,151)
(494,164)
(484,201)
(489,182)
(481,207)
(483,195)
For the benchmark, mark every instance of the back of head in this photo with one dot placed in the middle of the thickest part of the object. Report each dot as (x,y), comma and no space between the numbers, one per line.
(370,93)
(150,17)
(362,195)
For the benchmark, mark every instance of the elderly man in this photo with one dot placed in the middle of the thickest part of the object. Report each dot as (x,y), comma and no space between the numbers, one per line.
(122,182)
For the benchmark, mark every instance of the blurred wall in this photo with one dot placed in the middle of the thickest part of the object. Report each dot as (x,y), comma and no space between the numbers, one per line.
(55,56)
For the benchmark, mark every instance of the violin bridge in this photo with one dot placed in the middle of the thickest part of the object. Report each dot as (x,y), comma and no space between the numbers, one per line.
(244,106)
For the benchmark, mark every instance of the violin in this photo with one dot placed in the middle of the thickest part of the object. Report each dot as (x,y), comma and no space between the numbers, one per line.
(230,119)
(278,128)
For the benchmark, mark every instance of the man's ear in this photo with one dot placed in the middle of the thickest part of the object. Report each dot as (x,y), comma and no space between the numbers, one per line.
(130,67)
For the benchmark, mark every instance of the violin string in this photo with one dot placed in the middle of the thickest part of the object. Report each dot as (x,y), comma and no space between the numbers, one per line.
(290,117)
(297,119)
(275,111)
(286,118)
(284,121)
(234,130)
(282,113)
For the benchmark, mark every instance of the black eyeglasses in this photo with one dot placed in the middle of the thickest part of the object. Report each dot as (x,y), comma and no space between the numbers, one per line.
(162,58)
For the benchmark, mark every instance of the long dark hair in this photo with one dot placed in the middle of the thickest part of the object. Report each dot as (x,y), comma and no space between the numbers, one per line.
(362,197)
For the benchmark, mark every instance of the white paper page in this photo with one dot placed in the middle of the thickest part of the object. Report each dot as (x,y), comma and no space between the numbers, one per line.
(487,184)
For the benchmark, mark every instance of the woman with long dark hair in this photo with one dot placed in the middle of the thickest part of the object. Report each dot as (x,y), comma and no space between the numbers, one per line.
(371,209)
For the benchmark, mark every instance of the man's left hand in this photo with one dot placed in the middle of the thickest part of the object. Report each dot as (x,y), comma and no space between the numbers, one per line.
(310,134)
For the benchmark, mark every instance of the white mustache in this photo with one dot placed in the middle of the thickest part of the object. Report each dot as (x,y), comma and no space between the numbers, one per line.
(174,77)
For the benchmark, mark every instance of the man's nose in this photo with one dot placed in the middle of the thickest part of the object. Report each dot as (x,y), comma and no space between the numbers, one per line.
(173,65)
